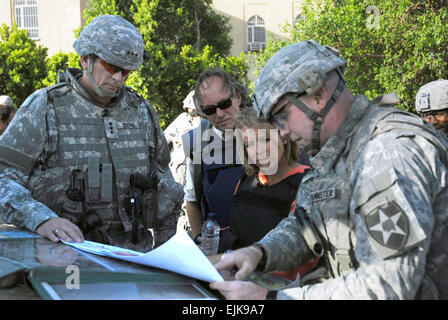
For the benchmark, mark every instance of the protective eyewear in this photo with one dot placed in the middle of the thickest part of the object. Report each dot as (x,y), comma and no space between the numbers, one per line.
(439,116)
(211,109)
(114,69)
(280,117)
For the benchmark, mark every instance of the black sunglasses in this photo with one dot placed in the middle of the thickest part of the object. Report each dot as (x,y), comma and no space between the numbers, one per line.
(211,109)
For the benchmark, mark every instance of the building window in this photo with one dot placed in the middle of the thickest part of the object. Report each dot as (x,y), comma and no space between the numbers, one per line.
(256,34)
(26,17)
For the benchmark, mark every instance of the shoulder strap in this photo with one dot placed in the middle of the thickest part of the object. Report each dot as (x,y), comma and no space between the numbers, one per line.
(193,142)
(148,114)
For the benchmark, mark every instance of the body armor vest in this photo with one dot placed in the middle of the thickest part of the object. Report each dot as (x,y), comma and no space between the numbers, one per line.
(214,180)
(219,182)
(257,209)
(105,145)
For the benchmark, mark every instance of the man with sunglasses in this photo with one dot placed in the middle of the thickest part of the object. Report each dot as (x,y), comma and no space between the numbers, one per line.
(374,204)
(212,167)
(431,103)
(67,161)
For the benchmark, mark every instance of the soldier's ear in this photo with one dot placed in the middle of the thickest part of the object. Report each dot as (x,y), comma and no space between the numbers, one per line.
(320,98)
(85,62)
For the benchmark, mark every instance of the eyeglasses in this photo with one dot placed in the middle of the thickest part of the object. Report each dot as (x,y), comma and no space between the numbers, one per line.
(113,69)
(211,109)
(440,116)
(280,117)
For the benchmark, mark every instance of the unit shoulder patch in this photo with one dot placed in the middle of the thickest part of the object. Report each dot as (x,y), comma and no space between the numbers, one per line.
(388,225)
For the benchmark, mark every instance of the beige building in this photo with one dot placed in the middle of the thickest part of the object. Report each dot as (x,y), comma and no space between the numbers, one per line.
(253,21)
(49,22)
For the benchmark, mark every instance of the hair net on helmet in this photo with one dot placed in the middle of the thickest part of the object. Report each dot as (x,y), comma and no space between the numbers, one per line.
(114,40)
(6,101)
(432,96)
(297,68)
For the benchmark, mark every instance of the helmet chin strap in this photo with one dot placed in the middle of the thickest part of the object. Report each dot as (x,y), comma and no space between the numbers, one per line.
(316,117)
(103,93)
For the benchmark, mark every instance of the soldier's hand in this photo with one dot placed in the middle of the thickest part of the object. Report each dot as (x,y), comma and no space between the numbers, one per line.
(60,228)
(240,290)
(244,259)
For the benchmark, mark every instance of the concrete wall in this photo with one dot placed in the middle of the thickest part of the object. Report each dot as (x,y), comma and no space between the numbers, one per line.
(57,22)
(5,12)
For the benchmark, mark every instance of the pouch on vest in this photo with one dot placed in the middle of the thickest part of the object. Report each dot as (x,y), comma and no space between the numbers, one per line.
(330,200)
(160,203)
(76,210)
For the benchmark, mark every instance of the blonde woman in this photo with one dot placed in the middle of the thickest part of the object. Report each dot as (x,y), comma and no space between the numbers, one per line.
(266,192)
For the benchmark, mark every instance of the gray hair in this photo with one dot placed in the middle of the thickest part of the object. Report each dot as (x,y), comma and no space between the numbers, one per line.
(229,84)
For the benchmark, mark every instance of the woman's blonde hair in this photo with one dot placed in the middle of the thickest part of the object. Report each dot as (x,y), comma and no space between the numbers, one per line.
(247,119)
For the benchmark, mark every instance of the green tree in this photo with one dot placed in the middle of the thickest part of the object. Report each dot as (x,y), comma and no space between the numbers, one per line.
(182,38)
(59,61)
(22,64)
(390,45)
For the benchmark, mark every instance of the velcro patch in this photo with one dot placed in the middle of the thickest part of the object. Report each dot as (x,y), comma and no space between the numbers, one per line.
(323,195)
(388,225)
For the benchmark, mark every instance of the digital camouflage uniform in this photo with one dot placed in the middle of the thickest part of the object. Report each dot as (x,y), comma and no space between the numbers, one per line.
(60,129)
(173,134)
(431,102)
(374,203)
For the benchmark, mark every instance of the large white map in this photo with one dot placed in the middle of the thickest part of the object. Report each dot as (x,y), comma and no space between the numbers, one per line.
(179,254)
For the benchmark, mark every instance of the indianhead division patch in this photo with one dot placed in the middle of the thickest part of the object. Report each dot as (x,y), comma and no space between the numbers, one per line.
(388,225)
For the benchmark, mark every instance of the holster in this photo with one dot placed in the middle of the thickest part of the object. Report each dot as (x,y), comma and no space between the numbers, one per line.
(161,207)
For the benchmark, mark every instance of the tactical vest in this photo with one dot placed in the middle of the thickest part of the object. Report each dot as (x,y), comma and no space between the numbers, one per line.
(329,192)
(257,208)
(105,148)
(214,183)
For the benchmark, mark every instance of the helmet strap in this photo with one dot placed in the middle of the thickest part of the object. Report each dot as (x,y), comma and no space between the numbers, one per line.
(103,93)
(317,117)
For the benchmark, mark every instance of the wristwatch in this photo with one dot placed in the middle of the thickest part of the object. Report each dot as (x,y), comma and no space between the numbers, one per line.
(196,240)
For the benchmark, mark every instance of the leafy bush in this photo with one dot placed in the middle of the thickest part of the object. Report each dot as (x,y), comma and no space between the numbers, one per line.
(393,46)
(22,64)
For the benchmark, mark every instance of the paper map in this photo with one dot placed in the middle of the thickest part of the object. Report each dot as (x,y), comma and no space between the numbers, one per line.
(179,254)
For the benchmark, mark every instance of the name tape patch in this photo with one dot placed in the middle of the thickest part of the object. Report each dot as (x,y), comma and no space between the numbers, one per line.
(323,195)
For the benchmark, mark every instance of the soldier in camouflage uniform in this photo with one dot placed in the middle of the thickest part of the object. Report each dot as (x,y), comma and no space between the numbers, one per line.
(431,103)
(374,205)
(67,159)
(186,121)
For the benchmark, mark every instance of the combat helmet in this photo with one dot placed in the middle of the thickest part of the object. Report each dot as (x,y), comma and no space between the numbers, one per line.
(6,101)
(297,69)
(114,40)
(433,96)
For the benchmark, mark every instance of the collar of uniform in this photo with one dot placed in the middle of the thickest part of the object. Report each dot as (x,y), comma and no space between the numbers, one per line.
(326,158)
(299,169)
